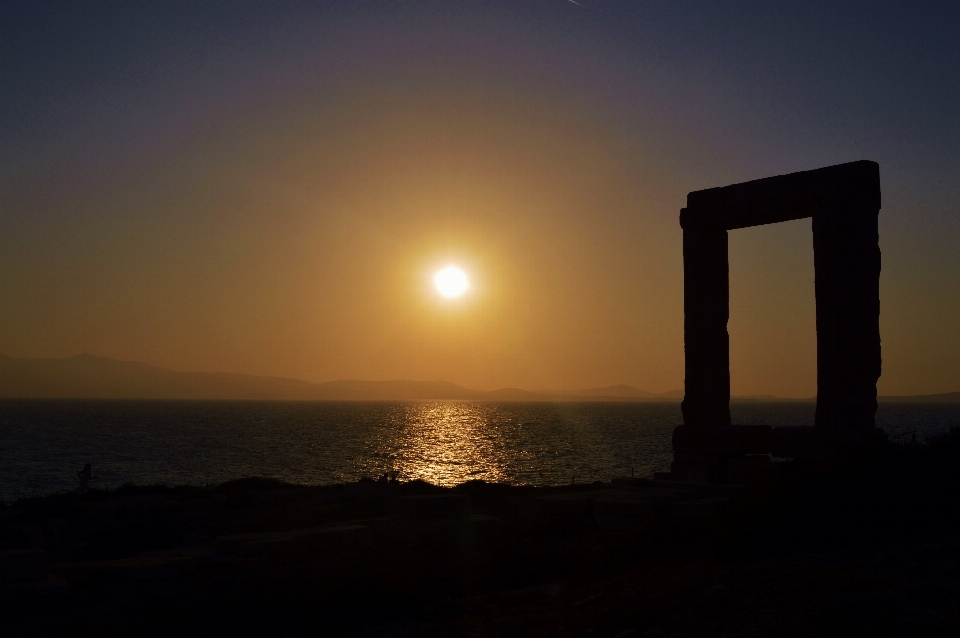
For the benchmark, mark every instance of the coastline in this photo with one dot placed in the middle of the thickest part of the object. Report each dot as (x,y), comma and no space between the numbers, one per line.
(368,559)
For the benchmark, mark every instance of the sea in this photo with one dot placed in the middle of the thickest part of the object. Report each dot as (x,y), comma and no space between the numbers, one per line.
(44,443)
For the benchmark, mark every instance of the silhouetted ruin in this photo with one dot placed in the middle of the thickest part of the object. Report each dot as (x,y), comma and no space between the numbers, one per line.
(844,202)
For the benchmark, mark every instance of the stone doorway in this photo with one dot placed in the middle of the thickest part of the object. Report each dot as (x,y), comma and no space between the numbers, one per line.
(844,203)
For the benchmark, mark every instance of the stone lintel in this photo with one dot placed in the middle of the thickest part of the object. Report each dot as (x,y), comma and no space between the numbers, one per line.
(805,442)
(747,469)
(696,472)
(726,441)
(844,190)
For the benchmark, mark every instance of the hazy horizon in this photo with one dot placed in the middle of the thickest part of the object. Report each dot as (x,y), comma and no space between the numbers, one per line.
(104,378)
(269,190)
(86,355)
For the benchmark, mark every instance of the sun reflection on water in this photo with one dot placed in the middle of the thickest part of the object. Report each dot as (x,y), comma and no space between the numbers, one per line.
(322,443)
(449,443)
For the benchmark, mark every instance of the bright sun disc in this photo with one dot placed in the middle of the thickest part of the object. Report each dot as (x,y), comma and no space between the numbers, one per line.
(451,282)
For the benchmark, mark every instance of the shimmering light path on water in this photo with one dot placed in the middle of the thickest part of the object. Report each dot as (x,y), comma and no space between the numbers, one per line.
(43,444)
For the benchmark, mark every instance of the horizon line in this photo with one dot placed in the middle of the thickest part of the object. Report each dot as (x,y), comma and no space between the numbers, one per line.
(675,394)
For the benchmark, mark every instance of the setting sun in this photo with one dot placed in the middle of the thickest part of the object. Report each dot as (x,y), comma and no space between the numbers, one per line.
(451,282)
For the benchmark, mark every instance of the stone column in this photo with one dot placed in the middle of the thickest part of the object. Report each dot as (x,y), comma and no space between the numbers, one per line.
(846,255)
(706,306)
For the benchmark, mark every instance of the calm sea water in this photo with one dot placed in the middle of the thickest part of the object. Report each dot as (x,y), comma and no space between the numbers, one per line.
(43,444)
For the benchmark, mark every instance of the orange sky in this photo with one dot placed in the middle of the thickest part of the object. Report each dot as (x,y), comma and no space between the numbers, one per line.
(280,209)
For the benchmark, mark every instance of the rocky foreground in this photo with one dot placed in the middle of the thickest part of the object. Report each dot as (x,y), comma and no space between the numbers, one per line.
(866,547)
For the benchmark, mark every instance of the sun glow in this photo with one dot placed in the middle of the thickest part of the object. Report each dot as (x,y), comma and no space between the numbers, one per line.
(451,282)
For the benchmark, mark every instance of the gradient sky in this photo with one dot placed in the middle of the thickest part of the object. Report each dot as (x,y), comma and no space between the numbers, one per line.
(268,188)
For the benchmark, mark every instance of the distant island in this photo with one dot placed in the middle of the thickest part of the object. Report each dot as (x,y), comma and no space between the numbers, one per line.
(86,376)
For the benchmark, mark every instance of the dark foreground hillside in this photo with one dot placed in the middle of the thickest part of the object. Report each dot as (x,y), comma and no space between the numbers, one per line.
(869,547)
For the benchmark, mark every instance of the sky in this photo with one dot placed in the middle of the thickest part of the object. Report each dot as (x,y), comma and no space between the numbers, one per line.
(268,188)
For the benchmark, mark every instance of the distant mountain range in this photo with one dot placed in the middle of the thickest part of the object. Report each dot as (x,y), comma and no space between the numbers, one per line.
(87,376)
(946,397)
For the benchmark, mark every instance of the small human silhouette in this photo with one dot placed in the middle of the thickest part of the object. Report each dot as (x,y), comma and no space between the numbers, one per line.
(913,440)
(85,475)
